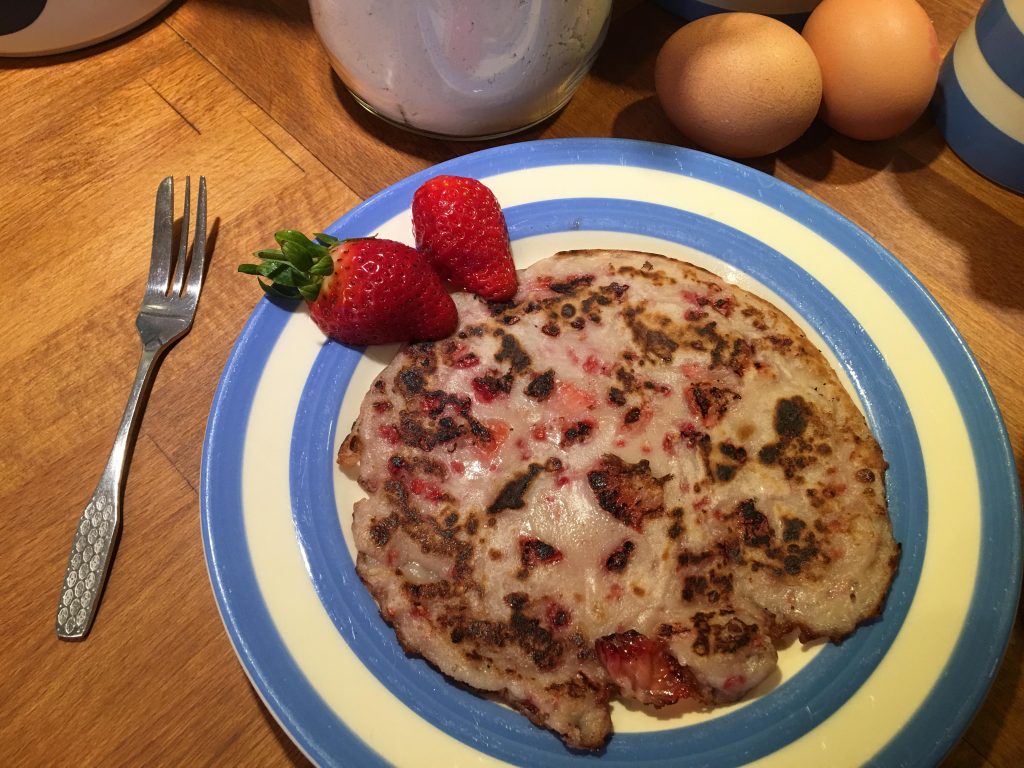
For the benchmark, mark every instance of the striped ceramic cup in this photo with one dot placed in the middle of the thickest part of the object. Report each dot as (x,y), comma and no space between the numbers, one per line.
(793,12)
(979,104)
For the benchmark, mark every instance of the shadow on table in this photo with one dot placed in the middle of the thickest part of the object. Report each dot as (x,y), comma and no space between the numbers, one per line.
(992,244)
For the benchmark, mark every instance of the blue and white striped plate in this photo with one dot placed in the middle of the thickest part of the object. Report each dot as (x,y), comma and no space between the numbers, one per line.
(276,512)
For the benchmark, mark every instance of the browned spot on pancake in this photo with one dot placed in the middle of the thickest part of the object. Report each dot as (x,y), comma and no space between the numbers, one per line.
(380,530)
(577,433)
(619,559)
(431,538)
(629,492)
(533,552)
(571,285)
(795,449)
(654,343)
(490,385)
(513,352)
(496,308)
(410,381)
(709,401)
(791,415)
(511,494)
(757,531)
(648,272)
(541,386)
(865,475)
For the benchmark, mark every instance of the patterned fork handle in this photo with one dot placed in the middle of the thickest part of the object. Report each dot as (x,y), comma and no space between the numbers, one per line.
(167,311)
(92,549)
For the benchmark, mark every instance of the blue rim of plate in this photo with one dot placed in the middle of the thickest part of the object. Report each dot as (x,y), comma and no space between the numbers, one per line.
(924,737)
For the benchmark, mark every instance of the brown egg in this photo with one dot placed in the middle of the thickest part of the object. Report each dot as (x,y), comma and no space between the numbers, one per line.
(738,84)
(879,64)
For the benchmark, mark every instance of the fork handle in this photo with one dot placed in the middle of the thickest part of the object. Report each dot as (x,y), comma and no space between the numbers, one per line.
(92,548)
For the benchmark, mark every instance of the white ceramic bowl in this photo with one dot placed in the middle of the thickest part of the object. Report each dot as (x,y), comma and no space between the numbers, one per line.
(41,27)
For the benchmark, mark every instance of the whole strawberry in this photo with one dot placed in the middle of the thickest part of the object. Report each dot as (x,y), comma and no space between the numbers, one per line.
(461,230)
(362,291)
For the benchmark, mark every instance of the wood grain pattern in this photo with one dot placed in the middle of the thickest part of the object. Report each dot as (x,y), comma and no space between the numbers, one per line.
(241,91)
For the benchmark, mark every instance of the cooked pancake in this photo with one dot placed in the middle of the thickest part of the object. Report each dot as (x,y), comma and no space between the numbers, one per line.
(630,481)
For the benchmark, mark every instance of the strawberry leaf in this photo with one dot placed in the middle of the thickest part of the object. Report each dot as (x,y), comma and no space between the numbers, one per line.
(301,255)
(272,289)
(324,267)
(297,269)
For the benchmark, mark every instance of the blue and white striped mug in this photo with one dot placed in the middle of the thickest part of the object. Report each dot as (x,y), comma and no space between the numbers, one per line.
(792,12)
(979,104)
(40,27)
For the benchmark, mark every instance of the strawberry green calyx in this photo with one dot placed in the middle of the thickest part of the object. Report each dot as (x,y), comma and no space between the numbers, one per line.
(297,268)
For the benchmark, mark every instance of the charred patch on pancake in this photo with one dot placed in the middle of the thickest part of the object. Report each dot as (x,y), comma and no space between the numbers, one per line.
(534,552)
(757,531)
(495,308)
(380,529)
(511,494)
(654,343)
(791,415)
(572,284)
(724,351)
(613,291)
(709,401)
(523,631)
(736,457)
(423,355)
(795,449)
(512,352)
(577,433)
(616,396)
(629,492)
(471,332)
(410,381)
(419,431)
(619,559)
(491,386)
(427,533)
(722,636)
(710,587)
(541,386)
(647,272)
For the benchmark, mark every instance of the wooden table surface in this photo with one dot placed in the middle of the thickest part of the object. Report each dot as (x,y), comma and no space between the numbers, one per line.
(241,91)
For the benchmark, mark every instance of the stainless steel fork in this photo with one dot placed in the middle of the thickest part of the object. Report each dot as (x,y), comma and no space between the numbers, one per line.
(166,315)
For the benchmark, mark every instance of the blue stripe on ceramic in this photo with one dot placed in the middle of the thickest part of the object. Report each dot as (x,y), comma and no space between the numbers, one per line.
(1002,44)
(766,724)
(957,694)
(281,684)
(15,17)
(695,9)
(978,143)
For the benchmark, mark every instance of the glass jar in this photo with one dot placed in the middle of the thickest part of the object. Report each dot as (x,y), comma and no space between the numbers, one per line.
(467,69)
